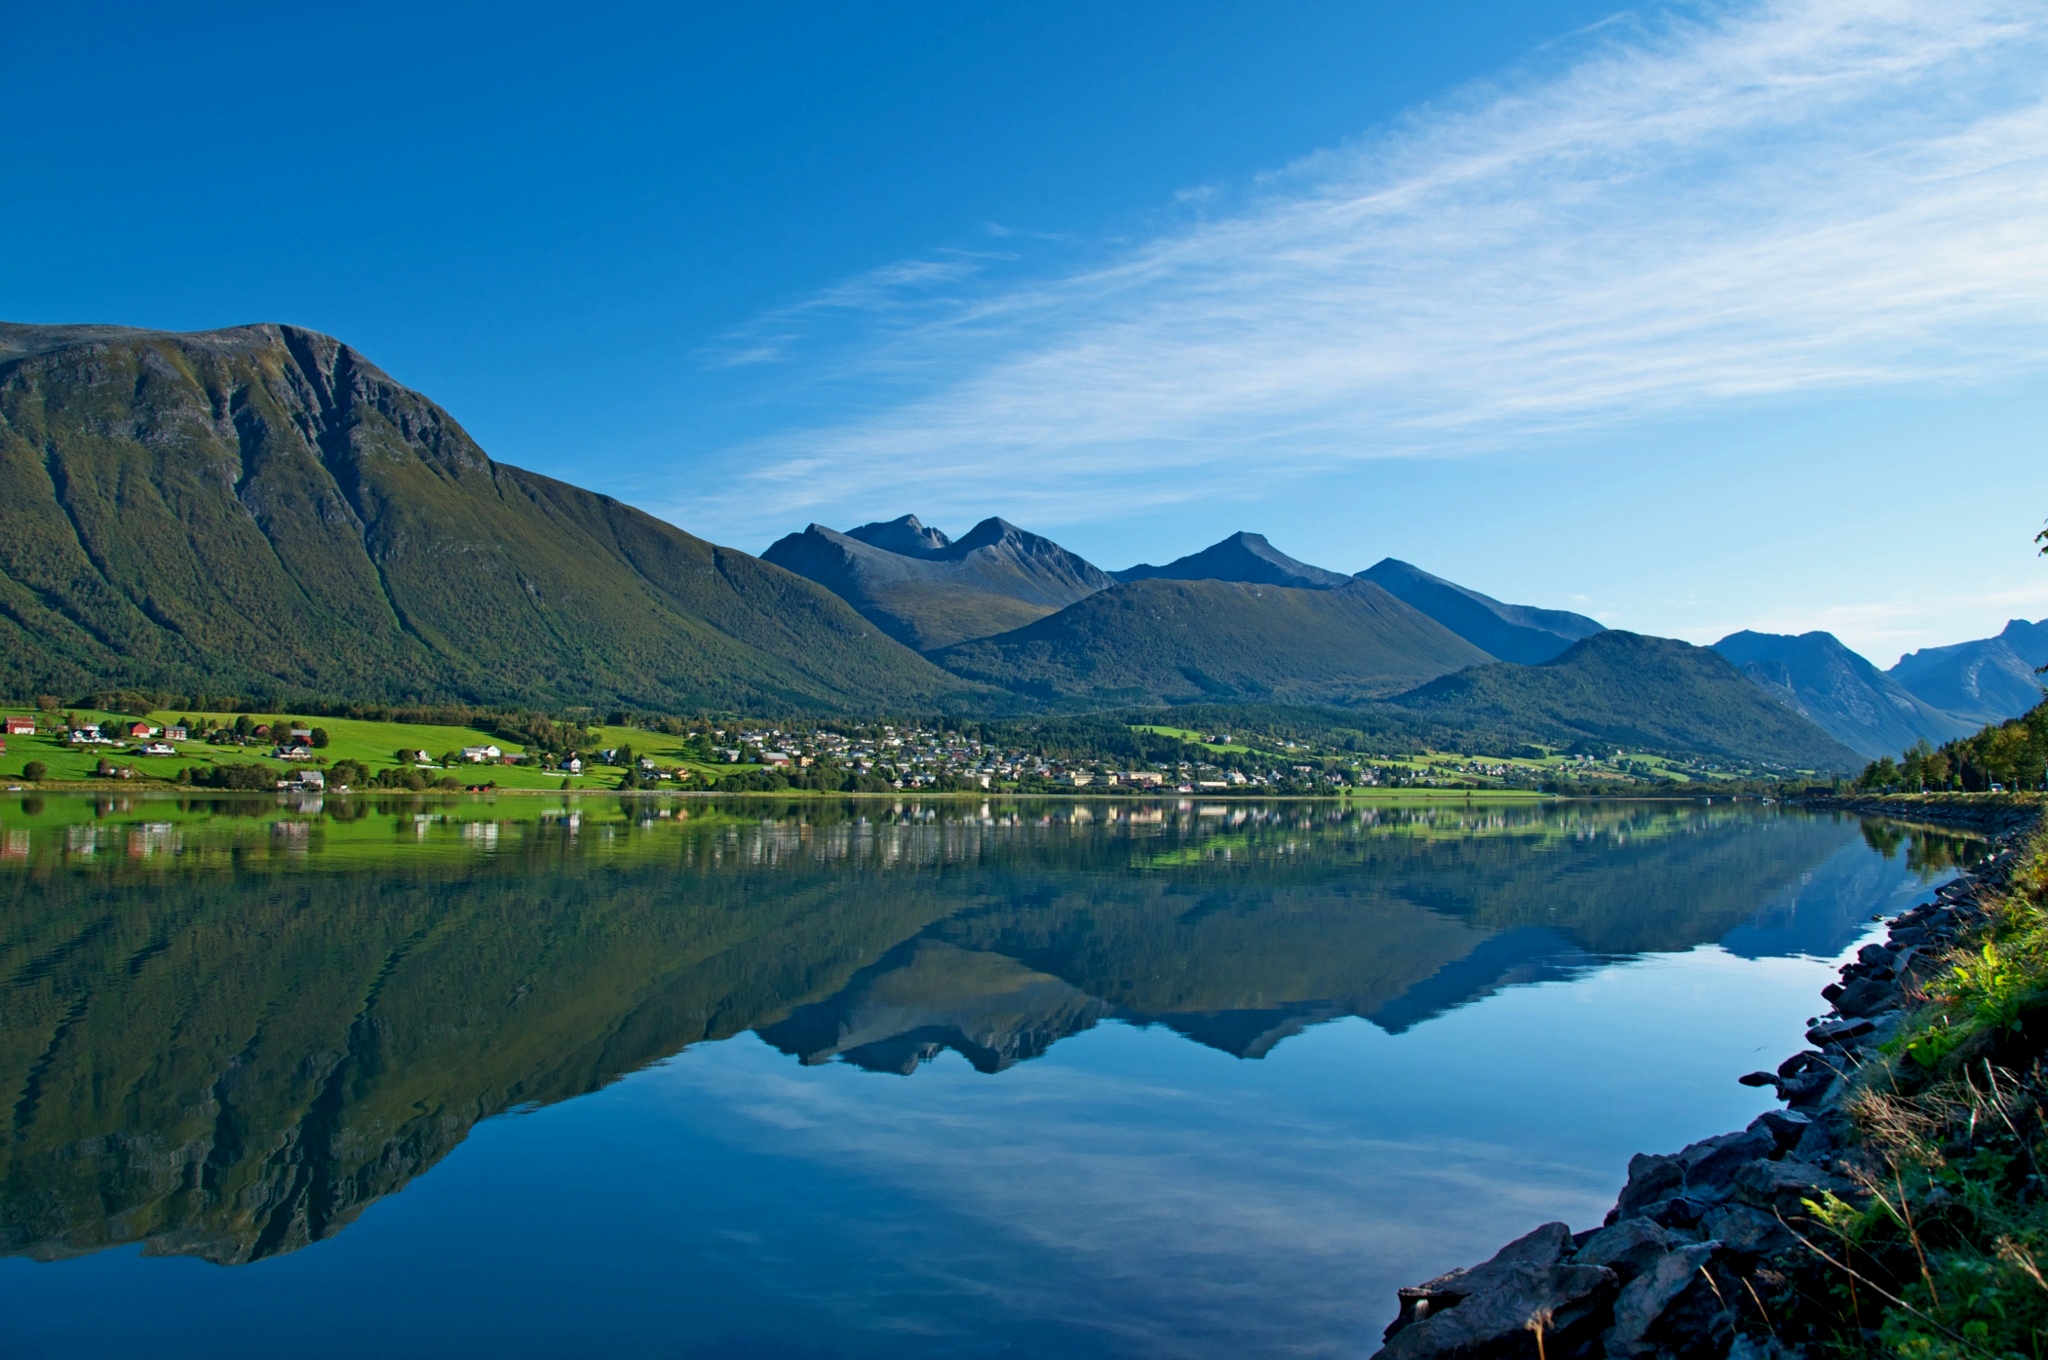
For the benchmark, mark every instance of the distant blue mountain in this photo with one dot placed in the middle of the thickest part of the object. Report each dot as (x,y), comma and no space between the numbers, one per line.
(1985,681)
(926,590)
(1243,557)
(1848,698)
(1512,632)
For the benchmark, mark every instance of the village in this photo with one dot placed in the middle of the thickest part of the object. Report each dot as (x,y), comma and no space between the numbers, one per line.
(249,752)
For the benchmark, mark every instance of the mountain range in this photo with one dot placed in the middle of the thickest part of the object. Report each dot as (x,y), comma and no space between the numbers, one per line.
(1243,621)
(1816,676)
(1619,689)
(260,511)
(1934,695)
(927,591)
(1984,681)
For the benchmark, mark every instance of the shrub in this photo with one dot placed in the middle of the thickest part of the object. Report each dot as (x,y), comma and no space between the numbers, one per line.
(35,770)
(243,777)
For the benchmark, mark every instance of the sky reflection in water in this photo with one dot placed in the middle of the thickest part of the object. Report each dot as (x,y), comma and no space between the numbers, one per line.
(898,1081)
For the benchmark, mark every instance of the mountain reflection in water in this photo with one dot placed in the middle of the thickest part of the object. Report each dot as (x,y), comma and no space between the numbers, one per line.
(226,1029)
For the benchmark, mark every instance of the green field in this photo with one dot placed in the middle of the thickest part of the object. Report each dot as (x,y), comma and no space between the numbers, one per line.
(1190,736)
(375,744)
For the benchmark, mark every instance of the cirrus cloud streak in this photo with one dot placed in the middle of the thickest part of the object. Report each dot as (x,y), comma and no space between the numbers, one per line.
(1749,202)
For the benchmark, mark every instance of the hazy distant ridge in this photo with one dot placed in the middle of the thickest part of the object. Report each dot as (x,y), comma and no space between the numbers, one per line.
(1512,632)
(1815,675)
(1984,681)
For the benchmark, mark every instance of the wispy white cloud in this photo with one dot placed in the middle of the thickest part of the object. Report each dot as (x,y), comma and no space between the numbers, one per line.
(903,288)
(1774,198)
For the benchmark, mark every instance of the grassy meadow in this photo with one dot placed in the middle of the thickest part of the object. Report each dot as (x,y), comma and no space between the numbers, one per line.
(375,744)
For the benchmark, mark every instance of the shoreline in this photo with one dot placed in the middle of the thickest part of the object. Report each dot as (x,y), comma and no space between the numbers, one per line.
(1699,1239)
(158,789)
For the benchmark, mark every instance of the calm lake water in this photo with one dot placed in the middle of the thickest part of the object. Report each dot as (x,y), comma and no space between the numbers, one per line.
(527,1078)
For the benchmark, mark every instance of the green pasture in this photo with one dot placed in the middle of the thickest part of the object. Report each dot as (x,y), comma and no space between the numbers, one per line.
(375,744)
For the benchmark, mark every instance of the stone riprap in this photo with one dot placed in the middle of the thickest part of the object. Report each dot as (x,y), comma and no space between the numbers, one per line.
(1705,1245)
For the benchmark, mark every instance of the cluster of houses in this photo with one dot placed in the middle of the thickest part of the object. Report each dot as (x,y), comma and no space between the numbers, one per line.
(156,741)
(475,755)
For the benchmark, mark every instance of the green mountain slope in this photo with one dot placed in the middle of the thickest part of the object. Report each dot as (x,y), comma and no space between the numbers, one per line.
(928,591)
(261,511)
(1166,641)
(1624,689)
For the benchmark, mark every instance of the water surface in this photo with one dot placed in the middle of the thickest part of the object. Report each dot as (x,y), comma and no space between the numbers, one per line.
(861,1079)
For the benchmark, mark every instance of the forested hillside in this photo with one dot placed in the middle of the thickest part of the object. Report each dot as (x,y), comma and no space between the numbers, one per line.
(1173,641)
(1623,689)
(260,510)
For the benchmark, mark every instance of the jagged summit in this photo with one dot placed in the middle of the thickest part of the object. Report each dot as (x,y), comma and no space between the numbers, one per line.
(1244,557)
(906,535)
(928,591)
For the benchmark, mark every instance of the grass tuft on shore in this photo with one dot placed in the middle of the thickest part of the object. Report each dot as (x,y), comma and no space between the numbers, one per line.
(1947,1256)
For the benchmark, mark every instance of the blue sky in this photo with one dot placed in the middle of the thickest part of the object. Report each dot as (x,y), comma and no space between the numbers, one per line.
(1693,318)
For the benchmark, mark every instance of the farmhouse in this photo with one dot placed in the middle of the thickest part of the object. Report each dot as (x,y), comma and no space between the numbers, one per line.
(20,725)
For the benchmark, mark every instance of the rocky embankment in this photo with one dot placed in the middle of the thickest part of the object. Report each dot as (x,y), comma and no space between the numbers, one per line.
(1710,1251)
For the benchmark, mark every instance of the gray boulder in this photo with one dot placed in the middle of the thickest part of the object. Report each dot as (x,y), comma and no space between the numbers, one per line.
(1653,1295)
(1867,997)
(1782,1187)
(1702,1173)
(1495,1309)
(1626,1248)
(1746,1231)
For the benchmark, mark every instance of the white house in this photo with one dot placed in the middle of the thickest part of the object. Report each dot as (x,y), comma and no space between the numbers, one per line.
(477,755)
